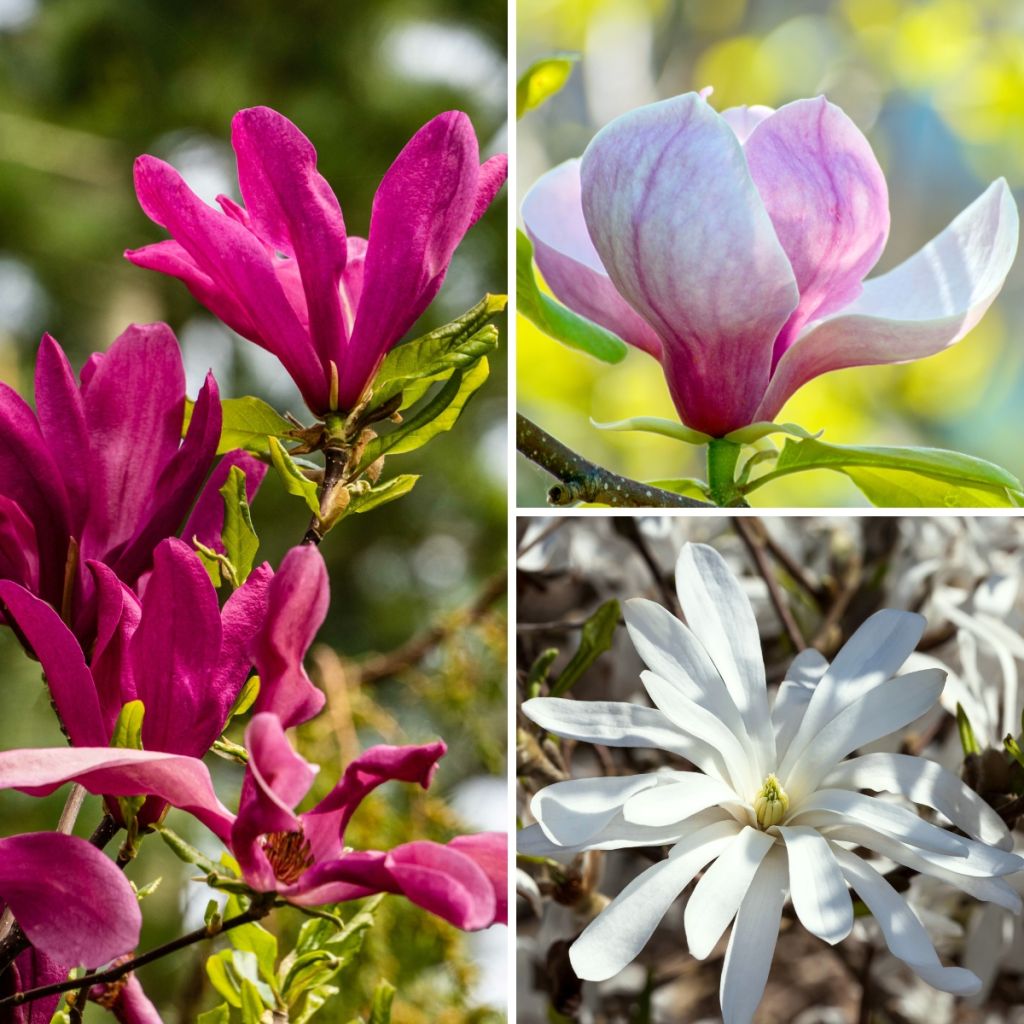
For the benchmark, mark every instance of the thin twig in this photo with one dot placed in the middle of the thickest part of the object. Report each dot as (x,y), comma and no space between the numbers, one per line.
(582,480)
(254,913)
(750,532)
(418,647)
(630,529)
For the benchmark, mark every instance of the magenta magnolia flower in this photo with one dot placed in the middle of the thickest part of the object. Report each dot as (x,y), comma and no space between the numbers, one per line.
(99,472)
(299,856)
(283,272)
(72,902)
(733,248)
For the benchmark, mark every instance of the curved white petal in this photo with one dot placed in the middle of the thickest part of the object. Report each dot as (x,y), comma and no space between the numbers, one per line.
(677,800)
(794,694)
(617,935)
(669,649)
(904,934)
(988,941)
(924,782)
(820,896)
(613,724)
(731,761)
(879,712)
(572,812)
(553,216)
(868,659)
(890,819)
(718,895)
(748,958)
(961,872)
(921,307)
(719,613)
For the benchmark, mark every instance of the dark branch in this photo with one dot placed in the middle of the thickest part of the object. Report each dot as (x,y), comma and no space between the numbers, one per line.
(254,913)
(582,480)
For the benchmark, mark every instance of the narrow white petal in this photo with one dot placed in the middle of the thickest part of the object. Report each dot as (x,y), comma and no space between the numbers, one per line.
(868,659)
(956,871)
(989,940)
(748,958)
(672,802)
(572,812)
(904,934)
(728,760)
(879,712)
(820,896)
(611,723)
(617,935)
(793,696)
(671,651)
(719,613)
(718,894)
(924,782)
(889,818)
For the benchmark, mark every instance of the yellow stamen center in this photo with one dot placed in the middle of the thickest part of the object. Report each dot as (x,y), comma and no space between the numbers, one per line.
(771,803)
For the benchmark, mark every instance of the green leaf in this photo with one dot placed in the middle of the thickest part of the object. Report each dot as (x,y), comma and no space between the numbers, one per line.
(687,486)
(912,477)
(255,939)
(186,851)
(218,1015)
(222,978)
(310,970)
(246,696)
(383,997)
(538,674)
(558,321)
(654,425)
(754,432)
(247,423)
(238,536)
(412,367)
(127,734)
(968,740)
(309,1003)
(542,79)
(382,493)
(147,890)
(295,482)
(439,415)
(252,1003)
(595,638)
(1013,749)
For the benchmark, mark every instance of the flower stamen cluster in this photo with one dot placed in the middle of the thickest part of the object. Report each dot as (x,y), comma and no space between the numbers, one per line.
(771,803)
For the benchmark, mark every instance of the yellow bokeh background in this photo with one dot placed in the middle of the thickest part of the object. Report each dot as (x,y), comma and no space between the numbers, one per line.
(937,87)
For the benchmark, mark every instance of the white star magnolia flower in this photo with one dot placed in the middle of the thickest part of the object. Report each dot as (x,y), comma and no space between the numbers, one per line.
(774,809)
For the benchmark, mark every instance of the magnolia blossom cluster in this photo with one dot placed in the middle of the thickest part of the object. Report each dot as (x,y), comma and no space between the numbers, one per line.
(733,248)
(774,809)
(102,505)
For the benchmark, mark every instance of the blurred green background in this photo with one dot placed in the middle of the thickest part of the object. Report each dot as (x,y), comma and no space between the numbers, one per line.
(87,85)
(938,88)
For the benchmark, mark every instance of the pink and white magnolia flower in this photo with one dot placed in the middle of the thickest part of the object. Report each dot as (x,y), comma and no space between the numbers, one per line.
(775,807)
(733,248)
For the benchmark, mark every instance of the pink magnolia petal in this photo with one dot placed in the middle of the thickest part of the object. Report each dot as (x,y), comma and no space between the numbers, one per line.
(553,215)
(352,280)
(134,403)
(80,909)
(827,198)
(325,824)
(424,205)
(351,876)
(174,654)
(493,173)
(296,607)
(924,305)
(292,205)
(181,781)
(171,258)
(61,415)
(19,547)
(240,619)
(180,479)
(446,882)
(238,264)
(117,617)
(62,660)
(685,238)
(127,1001)
(33,969)
(743,120)
(489,850)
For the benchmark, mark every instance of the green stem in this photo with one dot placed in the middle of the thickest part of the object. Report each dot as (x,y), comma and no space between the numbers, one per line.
(722,458)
